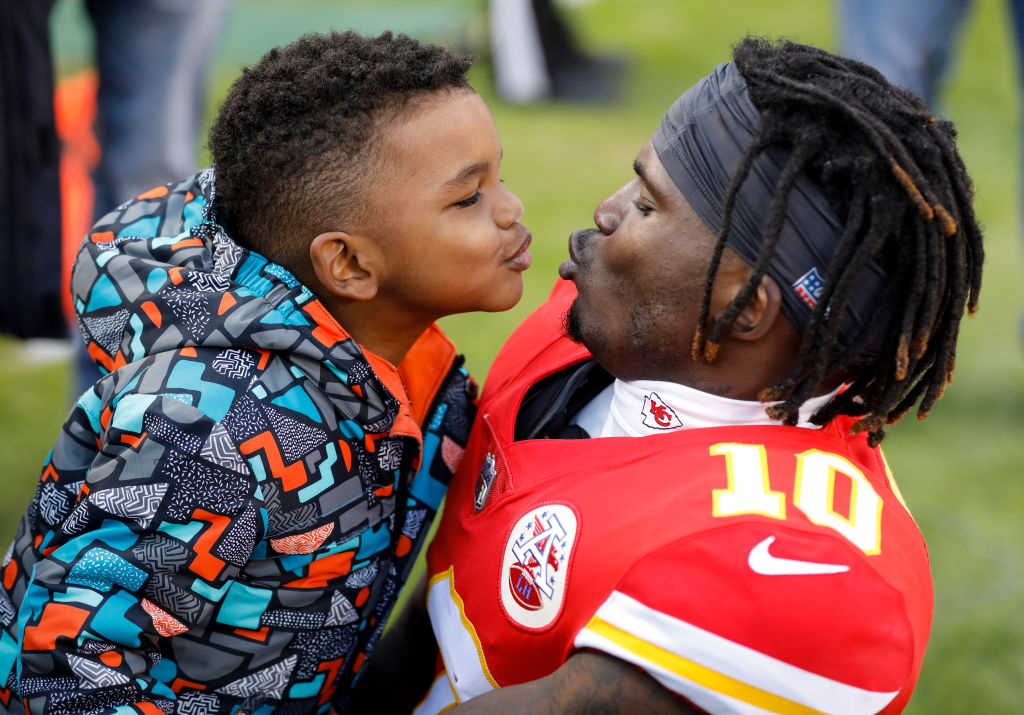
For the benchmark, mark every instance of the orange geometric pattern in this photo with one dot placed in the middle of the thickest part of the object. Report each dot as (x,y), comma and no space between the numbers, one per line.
(451,453)
(164,622)
(59,620)
(305,543)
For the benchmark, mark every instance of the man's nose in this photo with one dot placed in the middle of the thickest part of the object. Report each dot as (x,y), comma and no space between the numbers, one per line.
(606,218)
(608,214)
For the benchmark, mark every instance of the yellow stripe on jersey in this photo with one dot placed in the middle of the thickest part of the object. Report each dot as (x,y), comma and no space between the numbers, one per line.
(714,672)
(697,673)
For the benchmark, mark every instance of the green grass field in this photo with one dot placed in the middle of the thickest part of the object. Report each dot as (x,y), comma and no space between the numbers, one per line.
(960,470)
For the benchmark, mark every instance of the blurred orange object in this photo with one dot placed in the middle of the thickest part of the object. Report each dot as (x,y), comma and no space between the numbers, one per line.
(74,107)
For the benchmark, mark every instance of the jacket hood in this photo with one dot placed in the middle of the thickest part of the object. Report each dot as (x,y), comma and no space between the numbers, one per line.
(160,274)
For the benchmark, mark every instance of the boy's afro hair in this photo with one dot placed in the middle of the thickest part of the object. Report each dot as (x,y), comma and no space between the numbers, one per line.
(293,142)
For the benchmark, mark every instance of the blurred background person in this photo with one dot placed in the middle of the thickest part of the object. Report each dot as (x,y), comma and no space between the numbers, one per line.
(153,60)
(537,56)
(914,44)
(911,42)
(30,289)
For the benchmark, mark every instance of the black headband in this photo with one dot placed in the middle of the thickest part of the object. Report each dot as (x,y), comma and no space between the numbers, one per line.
(701,142)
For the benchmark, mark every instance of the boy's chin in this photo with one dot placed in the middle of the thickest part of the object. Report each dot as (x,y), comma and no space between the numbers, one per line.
(504,300)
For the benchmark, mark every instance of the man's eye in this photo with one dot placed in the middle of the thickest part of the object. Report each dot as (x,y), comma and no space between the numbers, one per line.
(642,207)
(469,200)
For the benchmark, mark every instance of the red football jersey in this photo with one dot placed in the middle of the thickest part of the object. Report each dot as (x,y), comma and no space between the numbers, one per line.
(749,569)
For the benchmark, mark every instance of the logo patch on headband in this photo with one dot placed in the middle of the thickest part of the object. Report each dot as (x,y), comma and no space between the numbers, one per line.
(808,287)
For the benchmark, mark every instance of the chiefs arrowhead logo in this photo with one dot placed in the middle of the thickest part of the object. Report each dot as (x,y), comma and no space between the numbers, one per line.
(658,415)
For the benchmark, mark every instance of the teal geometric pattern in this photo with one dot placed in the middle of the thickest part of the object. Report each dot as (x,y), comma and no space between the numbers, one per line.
(226,518)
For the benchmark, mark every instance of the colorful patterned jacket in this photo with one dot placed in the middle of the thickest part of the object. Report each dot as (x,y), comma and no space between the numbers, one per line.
(227,516)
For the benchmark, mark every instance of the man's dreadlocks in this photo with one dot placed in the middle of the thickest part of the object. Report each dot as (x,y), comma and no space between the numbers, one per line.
(892,174)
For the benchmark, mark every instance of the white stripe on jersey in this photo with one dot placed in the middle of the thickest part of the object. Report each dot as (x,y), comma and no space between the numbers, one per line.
(440,698)
(713,672)
(457,639)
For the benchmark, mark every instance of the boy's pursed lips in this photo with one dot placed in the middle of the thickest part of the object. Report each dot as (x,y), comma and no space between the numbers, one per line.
(522,259)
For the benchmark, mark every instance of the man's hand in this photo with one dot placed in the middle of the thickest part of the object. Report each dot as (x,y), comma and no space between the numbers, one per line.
(588,682)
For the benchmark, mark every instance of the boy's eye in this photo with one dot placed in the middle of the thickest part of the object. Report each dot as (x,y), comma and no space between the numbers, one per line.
(469,200)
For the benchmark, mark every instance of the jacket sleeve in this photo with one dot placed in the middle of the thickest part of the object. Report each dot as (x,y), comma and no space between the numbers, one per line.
(141,543)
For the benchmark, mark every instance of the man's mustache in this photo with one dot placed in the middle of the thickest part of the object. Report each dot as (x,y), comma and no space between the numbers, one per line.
(578,244)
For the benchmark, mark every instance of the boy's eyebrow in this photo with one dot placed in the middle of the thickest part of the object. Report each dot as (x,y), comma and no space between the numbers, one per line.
(472,170)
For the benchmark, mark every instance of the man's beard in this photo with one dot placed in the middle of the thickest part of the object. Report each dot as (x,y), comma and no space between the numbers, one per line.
(644,351)
(572,323)
(576,327)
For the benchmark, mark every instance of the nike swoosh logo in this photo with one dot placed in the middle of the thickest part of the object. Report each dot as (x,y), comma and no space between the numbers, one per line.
(761,561)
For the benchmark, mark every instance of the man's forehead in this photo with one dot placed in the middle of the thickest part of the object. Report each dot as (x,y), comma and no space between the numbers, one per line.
(651,172)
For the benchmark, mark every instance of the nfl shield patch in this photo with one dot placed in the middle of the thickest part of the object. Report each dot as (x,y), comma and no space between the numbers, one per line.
(809,286)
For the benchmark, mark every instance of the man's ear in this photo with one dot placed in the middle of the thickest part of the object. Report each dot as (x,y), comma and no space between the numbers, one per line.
(346,265)
(761,311)
(757,318)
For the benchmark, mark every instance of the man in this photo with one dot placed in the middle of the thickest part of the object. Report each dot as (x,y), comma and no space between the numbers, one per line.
(784,276)
(228,515)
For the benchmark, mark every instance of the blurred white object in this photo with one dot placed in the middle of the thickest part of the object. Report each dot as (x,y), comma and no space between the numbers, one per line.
(46,351)
(520,73)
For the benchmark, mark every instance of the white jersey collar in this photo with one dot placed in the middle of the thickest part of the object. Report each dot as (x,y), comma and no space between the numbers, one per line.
(644,407)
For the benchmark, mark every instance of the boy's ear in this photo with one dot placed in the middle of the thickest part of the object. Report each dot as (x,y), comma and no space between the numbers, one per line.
(346,265)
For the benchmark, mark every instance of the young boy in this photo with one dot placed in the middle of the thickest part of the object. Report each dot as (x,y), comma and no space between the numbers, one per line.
(227,516)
